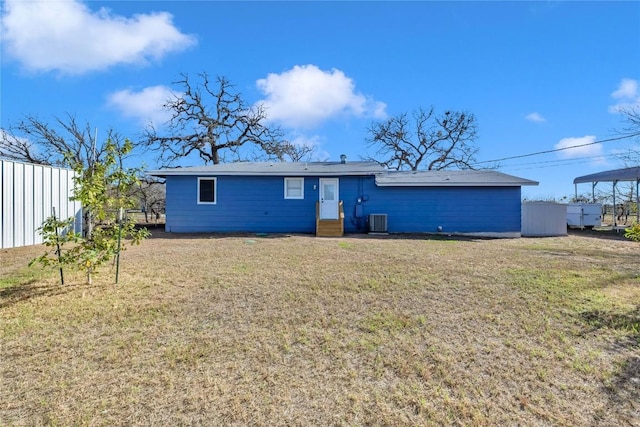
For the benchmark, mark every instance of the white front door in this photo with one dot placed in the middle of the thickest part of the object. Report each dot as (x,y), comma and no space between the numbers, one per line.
(328,198)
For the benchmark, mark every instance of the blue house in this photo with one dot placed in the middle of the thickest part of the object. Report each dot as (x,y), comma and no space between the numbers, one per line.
(332,198)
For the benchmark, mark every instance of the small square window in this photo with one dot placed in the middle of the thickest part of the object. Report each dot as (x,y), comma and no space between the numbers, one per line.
(207,191)
(294,188)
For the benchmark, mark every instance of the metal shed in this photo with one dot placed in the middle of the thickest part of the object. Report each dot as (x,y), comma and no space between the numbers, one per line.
(544,219)
(614,176)
(29,193)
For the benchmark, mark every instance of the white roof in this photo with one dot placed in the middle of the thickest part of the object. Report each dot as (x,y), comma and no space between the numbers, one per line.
(277,169)
(384,177)
(453,178)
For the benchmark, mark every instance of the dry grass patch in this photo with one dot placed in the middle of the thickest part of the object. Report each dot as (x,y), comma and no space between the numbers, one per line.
(297,330)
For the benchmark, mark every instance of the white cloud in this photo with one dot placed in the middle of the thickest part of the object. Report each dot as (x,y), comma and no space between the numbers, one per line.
(305,96)
(67,36)
(12,138)
(314,143)
(535,117)
(583,147)
(145,105)
(300,140)
(628,88)
(627,94)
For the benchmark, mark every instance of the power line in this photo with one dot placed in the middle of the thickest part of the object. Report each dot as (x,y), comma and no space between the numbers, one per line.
(558,149)
(544,167)
(562,162)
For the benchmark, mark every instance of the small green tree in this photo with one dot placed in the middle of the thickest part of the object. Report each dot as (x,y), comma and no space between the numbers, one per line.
(58,234)
(104,191)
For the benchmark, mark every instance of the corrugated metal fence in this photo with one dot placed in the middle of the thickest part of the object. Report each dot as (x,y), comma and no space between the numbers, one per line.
(29,194)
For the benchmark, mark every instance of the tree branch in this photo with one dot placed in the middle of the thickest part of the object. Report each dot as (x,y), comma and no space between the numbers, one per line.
(230,126)
(440,142)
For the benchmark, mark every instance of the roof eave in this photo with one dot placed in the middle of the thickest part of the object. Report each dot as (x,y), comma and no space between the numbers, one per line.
(164,174)
(457,184)
(615,175)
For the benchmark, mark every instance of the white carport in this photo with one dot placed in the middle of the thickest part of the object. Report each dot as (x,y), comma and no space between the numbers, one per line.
(631,174)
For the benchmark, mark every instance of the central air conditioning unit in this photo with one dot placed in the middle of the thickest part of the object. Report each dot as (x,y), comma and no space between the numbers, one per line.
(378,223)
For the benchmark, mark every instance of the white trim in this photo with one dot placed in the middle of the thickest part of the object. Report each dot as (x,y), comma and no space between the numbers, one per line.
(215,190)
(291,179)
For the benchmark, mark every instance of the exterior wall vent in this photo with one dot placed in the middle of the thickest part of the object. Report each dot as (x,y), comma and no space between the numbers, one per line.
(378,223)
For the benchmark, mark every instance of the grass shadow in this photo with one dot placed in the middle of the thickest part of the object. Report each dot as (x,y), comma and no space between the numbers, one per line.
(161,234)
(627,322)
(625,388)
(31,288)
(598,233)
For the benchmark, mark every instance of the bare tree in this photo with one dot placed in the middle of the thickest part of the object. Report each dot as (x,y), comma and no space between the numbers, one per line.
(21,149)
(429,141)
(631,117)
(298,152)
(212,121)
(630,129)
(631,156)
(151,194)
(64,142)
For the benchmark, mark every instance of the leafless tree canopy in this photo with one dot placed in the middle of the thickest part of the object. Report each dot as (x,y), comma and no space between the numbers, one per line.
(298,153)
(151,192)
(211,120)
(631,116)
(631,129)
(64,142)
(425,141)
(630,157)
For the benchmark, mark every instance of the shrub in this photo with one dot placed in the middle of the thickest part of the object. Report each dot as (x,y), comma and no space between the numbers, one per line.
(633,232)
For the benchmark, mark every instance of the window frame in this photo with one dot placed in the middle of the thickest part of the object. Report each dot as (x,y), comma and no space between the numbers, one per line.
(215,190)
(290,179)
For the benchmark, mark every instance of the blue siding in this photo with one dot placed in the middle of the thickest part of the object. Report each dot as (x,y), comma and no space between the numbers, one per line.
(257,204)
(423,209)
(455,209)
(253,204)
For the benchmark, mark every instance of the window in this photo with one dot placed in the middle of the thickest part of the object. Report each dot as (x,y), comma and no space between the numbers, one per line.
(294,188)
(207,191)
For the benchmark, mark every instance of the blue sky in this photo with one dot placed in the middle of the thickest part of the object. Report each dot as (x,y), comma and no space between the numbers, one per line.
(537,75)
